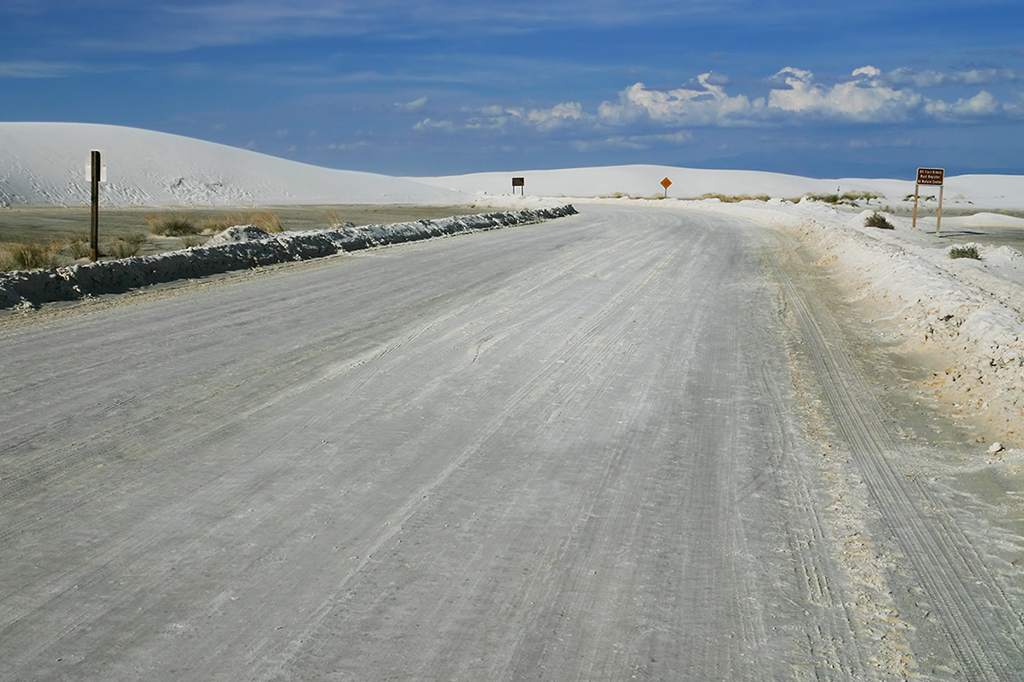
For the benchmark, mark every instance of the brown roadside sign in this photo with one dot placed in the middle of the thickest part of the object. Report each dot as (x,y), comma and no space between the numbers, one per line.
(666,183)
(930,176)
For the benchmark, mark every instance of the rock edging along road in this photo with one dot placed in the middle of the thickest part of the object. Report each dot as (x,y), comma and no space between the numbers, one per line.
(78,281)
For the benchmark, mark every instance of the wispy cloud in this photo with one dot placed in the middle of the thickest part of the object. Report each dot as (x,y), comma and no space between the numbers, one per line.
(38,69)
(633,142)
(193,24)
(414,105)
(931,78)
(429,124)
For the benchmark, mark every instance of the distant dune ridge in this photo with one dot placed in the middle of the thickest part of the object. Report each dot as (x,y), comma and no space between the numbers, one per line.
(991,191)
(45,164)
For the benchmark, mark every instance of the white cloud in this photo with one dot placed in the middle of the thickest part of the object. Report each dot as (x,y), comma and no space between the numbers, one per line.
(703,105)
(549,119)
(492,117)
(863,98)
(414,105)
(794,95)
(981,105)
(428,124)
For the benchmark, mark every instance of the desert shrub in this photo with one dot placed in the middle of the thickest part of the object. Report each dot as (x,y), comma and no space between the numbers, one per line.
(827,198)
(125,246)
(136,238)
(32,256)
(735,198)
(219,223)
(330,217)
(190,240)
(862,195)
(172,224)
(80,247)
(268,221)
(334,221)
(119,248)
(878,220)
(969,251)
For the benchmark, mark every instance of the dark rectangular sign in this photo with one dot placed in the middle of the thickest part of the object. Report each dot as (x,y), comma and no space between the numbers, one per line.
(519,182)
(930,176)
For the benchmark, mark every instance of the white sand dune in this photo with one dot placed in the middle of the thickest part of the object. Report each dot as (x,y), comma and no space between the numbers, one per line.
(45,164)
(989,191)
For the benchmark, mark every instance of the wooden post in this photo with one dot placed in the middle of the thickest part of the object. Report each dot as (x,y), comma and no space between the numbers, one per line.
(94,233)
(917,191)
(938,223)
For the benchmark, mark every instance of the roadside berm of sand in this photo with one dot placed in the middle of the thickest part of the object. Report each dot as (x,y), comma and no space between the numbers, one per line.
(237,248)
(968,313)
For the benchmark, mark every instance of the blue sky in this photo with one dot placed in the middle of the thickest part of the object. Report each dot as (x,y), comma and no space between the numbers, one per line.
(437,87)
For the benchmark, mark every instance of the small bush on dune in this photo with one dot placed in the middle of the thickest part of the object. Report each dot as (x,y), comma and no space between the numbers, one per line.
(878,220)
(845,198)
(855,196)
(969,251)
(172,224)
(735,198)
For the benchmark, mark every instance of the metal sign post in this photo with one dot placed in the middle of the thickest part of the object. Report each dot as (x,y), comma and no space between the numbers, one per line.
(521,183)
(666,183)
(94,233)
(929,176)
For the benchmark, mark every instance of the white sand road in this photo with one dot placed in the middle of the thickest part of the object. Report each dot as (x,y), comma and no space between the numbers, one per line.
(631,443)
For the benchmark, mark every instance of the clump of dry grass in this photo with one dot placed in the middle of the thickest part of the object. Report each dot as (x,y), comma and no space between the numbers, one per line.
(333,220)
(850,198)
(125,246)
(80,247)
(172,224)
(878,220)
(190,240)
(268,221)
(33,256)
(969,251)
(735,198)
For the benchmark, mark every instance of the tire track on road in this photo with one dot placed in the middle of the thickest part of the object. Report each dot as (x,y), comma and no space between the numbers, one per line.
(981,626)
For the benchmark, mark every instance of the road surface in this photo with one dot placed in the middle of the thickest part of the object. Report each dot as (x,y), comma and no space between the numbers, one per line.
(629,444)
